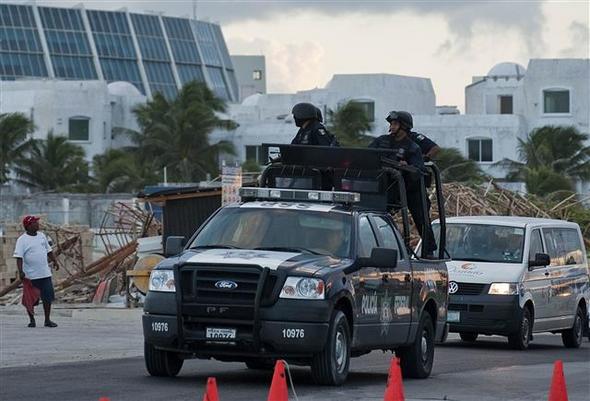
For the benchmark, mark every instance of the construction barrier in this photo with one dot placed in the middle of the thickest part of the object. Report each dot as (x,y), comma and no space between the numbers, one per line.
(394,390)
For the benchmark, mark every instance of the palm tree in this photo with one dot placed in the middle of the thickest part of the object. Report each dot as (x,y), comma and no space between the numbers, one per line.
(349,123)
(120,170)
(554,159)
(175,133)
(454,167)
(53,164)
(14,130)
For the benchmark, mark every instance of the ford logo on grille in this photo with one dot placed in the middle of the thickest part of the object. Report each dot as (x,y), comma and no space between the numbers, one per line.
(453,287)
(226,285)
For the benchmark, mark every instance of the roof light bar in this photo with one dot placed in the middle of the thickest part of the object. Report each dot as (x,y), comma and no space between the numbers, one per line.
(301,195)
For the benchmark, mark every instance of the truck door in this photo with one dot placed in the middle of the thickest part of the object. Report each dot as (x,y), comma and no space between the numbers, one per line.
(368,283)
(395,313)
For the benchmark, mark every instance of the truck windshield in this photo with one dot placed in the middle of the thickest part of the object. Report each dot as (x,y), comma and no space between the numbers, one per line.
(483,243)
(278,229)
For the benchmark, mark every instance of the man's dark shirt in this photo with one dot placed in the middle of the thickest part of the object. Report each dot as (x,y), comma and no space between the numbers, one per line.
(406,149)
(314,134)
(426,144)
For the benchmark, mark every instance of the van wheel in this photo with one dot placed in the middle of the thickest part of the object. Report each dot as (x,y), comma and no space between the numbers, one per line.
(330,367)
(161,363)
(572,338)
(520,339)
(468,337)
(417,359)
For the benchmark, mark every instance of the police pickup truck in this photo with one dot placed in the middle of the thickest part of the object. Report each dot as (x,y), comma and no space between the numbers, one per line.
(295,272)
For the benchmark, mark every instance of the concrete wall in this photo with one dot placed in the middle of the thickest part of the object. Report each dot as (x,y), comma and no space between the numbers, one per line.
(69,209)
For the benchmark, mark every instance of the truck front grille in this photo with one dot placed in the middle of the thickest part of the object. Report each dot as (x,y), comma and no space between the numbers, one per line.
(469,289)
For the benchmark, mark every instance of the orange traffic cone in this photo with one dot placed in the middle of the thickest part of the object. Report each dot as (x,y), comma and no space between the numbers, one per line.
(104,399)
(558,390)
(211,391)
(278,387)
(395,388)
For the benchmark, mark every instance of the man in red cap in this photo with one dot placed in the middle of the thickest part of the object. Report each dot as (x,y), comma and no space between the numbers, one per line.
(32,252)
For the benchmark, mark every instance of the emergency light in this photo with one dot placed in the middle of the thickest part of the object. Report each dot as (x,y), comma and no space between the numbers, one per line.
(300,195)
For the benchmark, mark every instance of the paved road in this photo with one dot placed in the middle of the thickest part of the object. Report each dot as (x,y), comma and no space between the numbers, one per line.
(486,370)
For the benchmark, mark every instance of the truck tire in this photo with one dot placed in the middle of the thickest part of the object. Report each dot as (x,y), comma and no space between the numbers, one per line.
(468,337)
(330,366)
(161,363)
(417,359)
(572,338)
(520,339)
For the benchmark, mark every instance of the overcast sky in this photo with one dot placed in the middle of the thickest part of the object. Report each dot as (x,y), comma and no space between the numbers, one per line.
(306,42)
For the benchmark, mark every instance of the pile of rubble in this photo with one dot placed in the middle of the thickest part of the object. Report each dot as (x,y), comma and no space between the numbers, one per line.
(80,278)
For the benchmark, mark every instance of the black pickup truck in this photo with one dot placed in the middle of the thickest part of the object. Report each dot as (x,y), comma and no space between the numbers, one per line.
(299,273)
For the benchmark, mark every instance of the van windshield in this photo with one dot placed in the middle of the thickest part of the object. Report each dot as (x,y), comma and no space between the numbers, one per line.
(483,243)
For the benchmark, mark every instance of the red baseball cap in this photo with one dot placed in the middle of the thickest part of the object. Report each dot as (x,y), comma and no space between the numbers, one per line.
(30,220)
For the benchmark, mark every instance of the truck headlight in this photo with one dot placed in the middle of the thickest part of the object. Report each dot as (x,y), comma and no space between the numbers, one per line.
(503,289)
(303,288)
(162,280)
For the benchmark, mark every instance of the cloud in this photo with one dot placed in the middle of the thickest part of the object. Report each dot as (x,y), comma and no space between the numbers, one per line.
(290,66)
(579,41)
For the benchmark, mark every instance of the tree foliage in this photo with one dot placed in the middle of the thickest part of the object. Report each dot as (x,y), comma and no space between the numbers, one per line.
(119,170)
(454,167)
(14,142)
(350,123)
(175,133)
(53,164)
(554,159)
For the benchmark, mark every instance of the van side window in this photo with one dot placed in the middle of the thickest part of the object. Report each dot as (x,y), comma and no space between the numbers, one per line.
(387,234)
(536,244)
(554,246)
(572,246)
(367,239)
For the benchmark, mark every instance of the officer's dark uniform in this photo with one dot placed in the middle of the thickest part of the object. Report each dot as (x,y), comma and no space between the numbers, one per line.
(426,144)
(314,134)
(409,151)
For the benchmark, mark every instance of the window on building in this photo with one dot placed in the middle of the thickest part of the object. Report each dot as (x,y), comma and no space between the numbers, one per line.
(556,101)
(506,105)
(480,150)
(368,107)
(79,129)
(257,75)
(257,154)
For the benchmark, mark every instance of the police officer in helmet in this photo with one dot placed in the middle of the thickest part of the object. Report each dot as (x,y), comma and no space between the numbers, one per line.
(311,130)
(409,153)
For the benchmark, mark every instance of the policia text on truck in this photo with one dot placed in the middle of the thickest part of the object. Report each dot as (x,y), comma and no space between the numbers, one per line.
(298,273)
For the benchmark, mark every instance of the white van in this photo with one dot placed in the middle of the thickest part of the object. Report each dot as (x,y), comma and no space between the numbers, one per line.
(515,276)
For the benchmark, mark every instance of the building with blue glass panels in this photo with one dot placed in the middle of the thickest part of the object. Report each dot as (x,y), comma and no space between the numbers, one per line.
(154,53)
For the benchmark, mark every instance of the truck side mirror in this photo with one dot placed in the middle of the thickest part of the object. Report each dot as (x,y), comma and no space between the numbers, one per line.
(174,245)
(541,260)
(381,258)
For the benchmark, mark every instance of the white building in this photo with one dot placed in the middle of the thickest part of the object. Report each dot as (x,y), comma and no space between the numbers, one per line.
(88,113)
(250,74)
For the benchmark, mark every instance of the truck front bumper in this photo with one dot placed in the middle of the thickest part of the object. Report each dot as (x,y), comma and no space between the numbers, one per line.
(484,314)
(275,338)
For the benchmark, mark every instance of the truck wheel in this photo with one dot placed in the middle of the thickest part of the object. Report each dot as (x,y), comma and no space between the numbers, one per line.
(418,358)
(161,363)
(520,339)
(260,364)
(330,367)
(572,338)
(468,337)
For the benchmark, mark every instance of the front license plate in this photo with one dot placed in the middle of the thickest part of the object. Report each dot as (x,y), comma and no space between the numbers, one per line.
(214,333)
(453,316)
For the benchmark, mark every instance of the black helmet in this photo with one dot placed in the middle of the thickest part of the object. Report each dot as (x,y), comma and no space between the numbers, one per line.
(303,112)
(403,117)
(319,115)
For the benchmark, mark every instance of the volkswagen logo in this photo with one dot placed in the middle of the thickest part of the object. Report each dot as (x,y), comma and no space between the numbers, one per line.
(453,287)
(226,285)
